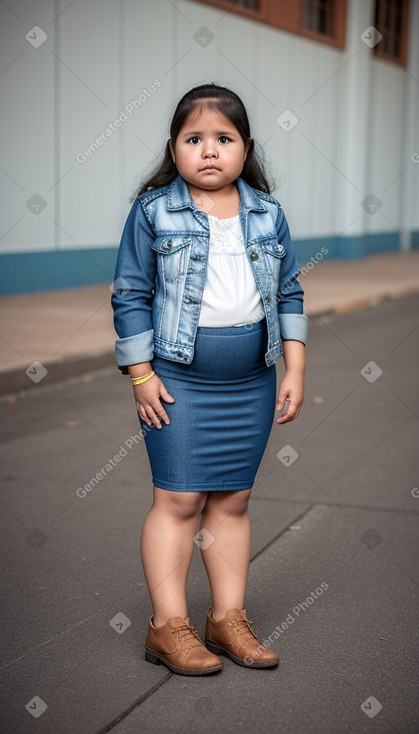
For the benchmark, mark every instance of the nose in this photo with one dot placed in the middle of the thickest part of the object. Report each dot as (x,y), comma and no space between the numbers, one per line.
(209,150)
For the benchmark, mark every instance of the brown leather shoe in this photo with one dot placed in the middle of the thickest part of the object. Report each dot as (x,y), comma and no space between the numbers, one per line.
(178,646)
(234,637)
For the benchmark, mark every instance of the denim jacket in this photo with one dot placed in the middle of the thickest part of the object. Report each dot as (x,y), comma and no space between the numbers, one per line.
(161,270)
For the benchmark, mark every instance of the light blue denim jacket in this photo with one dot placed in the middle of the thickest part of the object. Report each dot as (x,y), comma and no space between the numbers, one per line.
(161,270)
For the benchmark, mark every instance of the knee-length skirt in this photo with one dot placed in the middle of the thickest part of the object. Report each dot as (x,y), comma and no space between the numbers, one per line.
(222,416)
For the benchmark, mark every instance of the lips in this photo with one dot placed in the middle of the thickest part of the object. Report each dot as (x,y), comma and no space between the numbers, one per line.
(210,168)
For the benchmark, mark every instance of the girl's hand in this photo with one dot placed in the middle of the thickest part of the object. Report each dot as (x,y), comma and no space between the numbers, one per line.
(292,389)
(292,385)
(149,406)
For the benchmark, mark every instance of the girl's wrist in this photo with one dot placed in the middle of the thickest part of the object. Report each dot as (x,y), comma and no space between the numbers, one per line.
(297,370)
(137,371)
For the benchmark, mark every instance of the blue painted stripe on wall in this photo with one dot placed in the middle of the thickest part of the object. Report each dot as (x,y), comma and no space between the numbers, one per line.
(347,248)
(44,271)
(415,239)
(30,272)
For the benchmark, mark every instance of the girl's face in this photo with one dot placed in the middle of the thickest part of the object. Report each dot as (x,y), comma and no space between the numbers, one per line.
(209,152)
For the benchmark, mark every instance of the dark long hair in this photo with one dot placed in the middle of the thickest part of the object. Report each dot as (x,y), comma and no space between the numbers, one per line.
(229,104)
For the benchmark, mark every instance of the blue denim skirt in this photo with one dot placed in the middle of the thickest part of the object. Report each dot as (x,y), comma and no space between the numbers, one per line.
(222,416)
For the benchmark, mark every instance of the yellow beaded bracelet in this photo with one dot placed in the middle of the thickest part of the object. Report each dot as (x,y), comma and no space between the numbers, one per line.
(140,377)
(140,380)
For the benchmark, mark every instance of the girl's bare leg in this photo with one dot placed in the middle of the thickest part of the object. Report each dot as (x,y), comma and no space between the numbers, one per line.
(226,559)
(166,550)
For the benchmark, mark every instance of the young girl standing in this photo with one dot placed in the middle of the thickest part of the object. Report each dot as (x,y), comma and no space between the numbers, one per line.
(206,300)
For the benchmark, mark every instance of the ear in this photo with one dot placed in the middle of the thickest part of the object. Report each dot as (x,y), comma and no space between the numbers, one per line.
(249,145)
(171,149)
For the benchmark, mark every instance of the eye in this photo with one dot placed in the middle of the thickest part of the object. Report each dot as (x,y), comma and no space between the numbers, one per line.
(194,140)
(223,139)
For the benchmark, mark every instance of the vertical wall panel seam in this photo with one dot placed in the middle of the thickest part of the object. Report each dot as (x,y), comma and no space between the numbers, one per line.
(358,100)
(371,94)
(333,222)
(312,154)
(408,184)
(175,55)
(58,118)
(121,96)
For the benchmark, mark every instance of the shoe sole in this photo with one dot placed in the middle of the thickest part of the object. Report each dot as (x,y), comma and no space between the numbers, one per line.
(156,659)
(222,651)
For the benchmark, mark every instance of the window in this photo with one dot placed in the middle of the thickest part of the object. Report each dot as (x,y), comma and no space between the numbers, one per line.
(319,16)
(251,4)
(391,18)
(320,20)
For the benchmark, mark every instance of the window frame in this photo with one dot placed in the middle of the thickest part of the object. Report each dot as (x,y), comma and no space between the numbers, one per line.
(287,16)
(378,50)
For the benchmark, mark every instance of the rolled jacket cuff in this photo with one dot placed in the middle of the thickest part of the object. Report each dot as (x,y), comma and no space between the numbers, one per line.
(294,326)
(134,349)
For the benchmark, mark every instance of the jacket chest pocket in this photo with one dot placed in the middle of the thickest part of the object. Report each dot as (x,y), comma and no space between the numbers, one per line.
(172,256)
(274,252)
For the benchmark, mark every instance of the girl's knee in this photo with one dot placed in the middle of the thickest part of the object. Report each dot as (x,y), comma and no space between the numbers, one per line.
(181,505)
(233,503)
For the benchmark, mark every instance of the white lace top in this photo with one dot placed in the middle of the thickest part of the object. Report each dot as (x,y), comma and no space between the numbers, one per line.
(231,296)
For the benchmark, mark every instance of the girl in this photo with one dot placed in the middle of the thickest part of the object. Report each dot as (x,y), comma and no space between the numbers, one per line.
(206,300)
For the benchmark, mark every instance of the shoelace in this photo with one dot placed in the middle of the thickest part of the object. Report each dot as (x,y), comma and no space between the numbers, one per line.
(186,632)
(243,626)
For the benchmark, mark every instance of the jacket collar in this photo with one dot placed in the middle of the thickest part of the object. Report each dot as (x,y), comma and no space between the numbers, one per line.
(179,196)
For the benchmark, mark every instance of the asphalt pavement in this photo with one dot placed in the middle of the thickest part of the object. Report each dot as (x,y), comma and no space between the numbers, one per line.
(333,581)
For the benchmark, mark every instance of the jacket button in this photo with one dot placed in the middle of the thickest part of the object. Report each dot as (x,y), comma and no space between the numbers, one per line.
(267,300)
(254,256)
(167,244)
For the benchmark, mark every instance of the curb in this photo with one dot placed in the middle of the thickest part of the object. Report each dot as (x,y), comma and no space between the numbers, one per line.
(15,380)
(365,303)
(372,301)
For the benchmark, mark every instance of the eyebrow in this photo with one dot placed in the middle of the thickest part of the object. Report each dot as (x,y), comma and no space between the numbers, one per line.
(199,132)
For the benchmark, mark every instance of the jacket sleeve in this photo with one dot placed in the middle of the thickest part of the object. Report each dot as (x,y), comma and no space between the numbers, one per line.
(293,323)
(133,291)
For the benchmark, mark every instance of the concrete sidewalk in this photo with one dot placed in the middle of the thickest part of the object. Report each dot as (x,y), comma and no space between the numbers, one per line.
(71,331)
